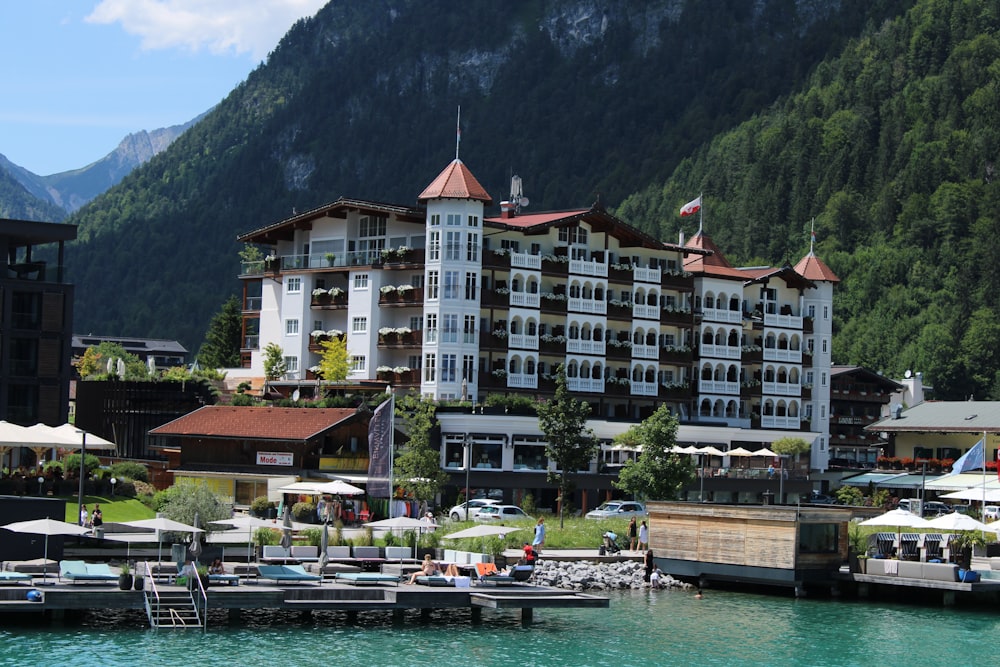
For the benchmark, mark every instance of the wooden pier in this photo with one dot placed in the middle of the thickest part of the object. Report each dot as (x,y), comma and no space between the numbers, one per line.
(59,598)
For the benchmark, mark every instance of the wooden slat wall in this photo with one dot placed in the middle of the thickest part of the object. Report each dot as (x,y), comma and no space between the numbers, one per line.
(53,310)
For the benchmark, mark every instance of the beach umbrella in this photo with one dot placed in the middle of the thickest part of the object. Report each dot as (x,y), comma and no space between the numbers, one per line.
(483,531)
(988,494)
(46,527)
(739,451)
(286,530)
(324,543)
(897,519)
(711,451)
(957,521)
(195,547)
(338,488)
(160,525)
(764,451)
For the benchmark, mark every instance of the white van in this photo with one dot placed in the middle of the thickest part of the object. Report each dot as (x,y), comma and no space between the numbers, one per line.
(911,505)
(991,513)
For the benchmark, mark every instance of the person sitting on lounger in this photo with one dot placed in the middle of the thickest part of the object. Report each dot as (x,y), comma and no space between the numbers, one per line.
(216,567)
(427,569)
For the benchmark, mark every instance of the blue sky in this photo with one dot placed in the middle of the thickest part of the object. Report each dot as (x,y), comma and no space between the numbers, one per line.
(79,75)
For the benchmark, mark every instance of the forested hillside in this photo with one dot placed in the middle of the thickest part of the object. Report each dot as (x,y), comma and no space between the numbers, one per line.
(579,98)
(892,147)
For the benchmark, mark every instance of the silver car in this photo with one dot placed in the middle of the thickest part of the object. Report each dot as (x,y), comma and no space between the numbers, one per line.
(616,509)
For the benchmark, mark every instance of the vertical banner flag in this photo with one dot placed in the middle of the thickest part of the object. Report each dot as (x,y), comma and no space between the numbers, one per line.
(379,451)
(691,207)
(970,460)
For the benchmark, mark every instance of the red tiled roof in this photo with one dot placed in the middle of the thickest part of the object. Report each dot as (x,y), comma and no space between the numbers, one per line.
(227,421)
(714,264)
(456,182)
(813,268)
(526,220)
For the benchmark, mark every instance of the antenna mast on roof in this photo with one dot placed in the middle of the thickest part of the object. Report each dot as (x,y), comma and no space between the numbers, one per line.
(458,131)
(517,197)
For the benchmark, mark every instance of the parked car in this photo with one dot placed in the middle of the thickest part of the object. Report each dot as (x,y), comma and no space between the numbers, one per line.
(933,508)
(991,513)
(457,513)
(614,509)
(817,498)
(497,513)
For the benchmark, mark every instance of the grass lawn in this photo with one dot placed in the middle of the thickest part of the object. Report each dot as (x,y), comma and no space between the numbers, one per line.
(578,533)
(115,509)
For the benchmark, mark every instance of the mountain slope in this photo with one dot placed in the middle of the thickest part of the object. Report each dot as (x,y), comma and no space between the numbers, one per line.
(69,190)
(582,99)
(892,148)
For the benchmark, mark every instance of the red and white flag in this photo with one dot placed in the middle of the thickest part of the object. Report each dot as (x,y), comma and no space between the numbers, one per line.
(691,207)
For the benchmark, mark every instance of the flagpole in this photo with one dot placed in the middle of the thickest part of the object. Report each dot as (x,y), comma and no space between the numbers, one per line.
(392,446)
(701,212)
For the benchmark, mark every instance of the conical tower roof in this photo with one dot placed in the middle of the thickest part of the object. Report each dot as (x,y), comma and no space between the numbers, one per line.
(813,268)
(456,182)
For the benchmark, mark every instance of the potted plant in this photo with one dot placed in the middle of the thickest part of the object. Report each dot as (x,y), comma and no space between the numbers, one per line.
(963,544)
(125,578)
(857,549)
(139,582)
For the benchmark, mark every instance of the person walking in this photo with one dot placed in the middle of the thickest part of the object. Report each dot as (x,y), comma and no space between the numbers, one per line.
(539,540)
(643,536)
(633,534)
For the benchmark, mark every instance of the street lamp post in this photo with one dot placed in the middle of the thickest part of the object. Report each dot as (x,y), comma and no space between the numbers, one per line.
(467,442)
(83,454)
(113,482)
(41,481)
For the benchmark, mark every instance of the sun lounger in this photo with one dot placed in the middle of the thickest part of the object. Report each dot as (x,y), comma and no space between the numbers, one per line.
(228,579)
(14,577)
(356,578)
(287,574)
(487,573)
(436,580)
(275,554)
(77,570)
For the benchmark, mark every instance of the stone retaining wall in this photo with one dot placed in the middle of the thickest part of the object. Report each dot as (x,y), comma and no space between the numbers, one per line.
(588,576)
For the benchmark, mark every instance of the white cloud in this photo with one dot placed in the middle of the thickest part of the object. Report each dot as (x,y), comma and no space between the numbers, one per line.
(218,26)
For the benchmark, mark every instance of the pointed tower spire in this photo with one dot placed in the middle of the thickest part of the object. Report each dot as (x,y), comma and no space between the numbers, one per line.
(458,131)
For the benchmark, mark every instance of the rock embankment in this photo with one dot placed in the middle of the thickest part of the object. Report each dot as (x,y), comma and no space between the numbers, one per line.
(588,576)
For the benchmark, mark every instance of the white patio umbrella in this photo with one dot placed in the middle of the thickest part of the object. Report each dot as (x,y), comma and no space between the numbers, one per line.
(483,531)
(897,519)
(339,488)
(989,494)
(160,525)
(46,527)
(957,521)
(740,451)
(286,530)
(710,450)
(195,548)
(764,451)
(94,441)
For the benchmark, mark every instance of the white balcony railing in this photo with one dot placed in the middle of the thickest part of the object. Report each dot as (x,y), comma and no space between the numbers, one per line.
(782,389)
(522,381)
(718,387)
(585,384)
(522,341)
(522,260)
(772,421)
(775,354)
(645,351)
(582,267)
(783,321)
(644,388)
(721,315)
(525,299)
(589,306)
(577,346)
(645,275)
(720,351)
(645,312)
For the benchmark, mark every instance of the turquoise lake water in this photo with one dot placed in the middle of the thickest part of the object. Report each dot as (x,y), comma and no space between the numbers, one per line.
(641,628)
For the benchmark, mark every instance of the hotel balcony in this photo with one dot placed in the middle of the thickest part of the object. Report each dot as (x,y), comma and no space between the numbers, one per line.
(402,297)
(784,321)
(646,275)
(642,311)
(781,389)
(327,301)
(718,387)
(522,342)
(587,306)
(583,267)
(645,388)
(778,354)
(722,315)
(525,299)
(678,317)
(592,347)
(589,385)
(397,340)
(645,351)
(720,351)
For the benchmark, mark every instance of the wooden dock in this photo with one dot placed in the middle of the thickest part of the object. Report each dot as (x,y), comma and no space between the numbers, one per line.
(60,598)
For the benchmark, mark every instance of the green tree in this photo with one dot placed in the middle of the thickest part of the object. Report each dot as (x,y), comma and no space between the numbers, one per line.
(221,348)
(569,443)
(657,473)
(790,447)
(333,360)
(189,498)
(274,363)
(93,364)
(417,467)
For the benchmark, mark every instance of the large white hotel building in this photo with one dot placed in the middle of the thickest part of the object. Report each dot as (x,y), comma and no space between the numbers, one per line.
(453,300)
